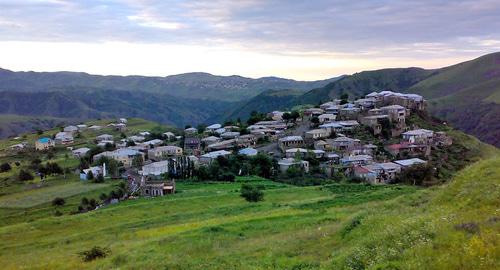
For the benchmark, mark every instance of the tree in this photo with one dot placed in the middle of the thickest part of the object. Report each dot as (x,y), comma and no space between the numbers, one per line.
(130,143)
(58,201)
(315,120)
(416,174)
(90,175)
(99,178)
(5,167)
(24,175)
(294,115)
(251,193)
(137,161)
(201,128)
(286,116)
(344,98)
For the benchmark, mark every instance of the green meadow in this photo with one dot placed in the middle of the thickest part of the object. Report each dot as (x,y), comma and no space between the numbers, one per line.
(209,226)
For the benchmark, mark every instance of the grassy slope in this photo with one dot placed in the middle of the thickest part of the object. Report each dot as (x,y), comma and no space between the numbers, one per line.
(467,95)
(208,226)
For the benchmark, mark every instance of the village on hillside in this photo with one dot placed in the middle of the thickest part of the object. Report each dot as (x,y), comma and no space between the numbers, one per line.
(366,139)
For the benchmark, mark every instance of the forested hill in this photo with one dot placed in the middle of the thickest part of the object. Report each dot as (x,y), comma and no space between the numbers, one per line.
(196,85)
(467,94)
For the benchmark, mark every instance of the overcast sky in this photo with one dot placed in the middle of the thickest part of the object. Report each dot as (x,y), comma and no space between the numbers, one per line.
(294,39)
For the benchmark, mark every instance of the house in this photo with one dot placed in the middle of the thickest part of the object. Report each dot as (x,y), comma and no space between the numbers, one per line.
(286,163)
(153,143)
(230,135)
(64,138)
(332,127)
(302,153)
(356,160)
(136,138)
(121,127)
(320,145)
(247,140)
(17,147)
(396,113)
(348,113)
(365,103)
(326,117)
(123,155)
(144,133)
(44,144)
(276,115)
(250,152)
(384,172)
(290,142)
(407,163)
(408,149)
(343,144)
(374,122)
(169,135)
(104,143)
(80,152)
(162,152)
(156,169)
(316,134)
(223,145)
(329,104)
(104,137)
(219,131)
(97,170)
(71,129)
(190,131)
(81,126)
(334,109)
(123,120)
(95,128)
(210,140)
(276,125)
(311,112)
(348,124)
(212,128)
(156,188)
(419,136)
(364,173)
(192,146)
(211,156)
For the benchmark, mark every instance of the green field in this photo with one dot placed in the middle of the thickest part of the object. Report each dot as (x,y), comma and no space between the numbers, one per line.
(209,226)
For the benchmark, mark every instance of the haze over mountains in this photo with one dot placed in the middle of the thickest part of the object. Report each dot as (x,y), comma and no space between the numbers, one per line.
(466,94)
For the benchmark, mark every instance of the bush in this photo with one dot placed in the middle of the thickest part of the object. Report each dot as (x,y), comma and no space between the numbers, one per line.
(24,176)
(5,167)
(251,193)
(58,201)
(99,179)
(94,253)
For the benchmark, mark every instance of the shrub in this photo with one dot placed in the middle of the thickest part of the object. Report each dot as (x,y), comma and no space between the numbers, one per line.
(5,167)
(99,179)
(58,201)
(251,193)
(24,176)
(94,253)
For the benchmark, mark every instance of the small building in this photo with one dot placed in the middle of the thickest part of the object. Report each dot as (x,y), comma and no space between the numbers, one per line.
(155,169)
(169,135)
(44,144)
(356,160)
(95,128)
(162,152)
(123,120)
(316,134)
(211,156)
(123,155)
(81,127)
(97,170)
(420,136)
(192,146)
(104,137)
(223,145)
(157,188)
(290,142)
(153,143)
(210,140)
(80,152)
(212,128)
(250,152)
(407,163)
(327,117)
(71,129)
(64,138)
(286,163)
(230,135)
(136,138)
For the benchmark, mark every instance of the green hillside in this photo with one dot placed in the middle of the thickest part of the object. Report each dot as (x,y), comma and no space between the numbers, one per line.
(467,95)
(208,226)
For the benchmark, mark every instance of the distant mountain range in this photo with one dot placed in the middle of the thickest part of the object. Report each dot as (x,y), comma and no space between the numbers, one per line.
(467,94)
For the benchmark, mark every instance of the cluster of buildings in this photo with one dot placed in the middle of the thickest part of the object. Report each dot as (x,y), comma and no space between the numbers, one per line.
(332,137)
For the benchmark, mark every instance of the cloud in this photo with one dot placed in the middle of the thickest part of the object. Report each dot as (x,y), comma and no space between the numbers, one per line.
(340,29)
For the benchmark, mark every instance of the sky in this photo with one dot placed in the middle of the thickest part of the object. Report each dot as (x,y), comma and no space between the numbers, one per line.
(303,40)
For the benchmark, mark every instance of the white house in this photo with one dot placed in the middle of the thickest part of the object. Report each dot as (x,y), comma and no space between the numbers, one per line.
(209,157)
(80,152)
(286,163)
